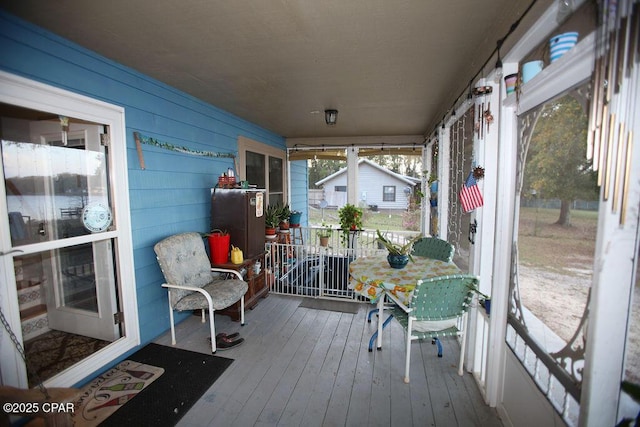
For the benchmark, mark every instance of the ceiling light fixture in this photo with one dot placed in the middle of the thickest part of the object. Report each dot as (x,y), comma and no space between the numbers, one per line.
(331,116)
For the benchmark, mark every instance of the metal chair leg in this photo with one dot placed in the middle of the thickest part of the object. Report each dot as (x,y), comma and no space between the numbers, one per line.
(437,342)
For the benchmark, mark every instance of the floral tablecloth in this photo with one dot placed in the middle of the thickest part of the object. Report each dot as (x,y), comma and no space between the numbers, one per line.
(371,276)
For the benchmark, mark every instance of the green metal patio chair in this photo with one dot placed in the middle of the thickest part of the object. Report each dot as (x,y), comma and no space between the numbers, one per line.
(438,309)
(191,282)
(434,248)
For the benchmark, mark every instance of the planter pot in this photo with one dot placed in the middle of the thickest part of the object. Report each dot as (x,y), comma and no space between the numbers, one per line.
(487,306)
(284,225)
(511,82)
(561,43)
(270,232)
(397,261)
(294,219)
(531,69)
(324,241)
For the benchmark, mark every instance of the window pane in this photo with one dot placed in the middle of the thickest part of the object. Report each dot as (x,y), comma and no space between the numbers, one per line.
(256,169)
(275,199)
(389,193)
(557,224)
(275,175)
(48,186)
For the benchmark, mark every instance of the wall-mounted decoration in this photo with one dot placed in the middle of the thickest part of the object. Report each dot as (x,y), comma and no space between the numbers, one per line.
(141,139)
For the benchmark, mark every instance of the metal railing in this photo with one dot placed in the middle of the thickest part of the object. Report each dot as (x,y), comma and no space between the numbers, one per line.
(300,263)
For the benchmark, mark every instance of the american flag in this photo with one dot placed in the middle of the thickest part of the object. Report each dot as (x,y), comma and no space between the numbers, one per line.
(470,197)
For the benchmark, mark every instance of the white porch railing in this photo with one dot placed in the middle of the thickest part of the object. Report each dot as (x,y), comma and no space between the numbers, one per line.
(298,264)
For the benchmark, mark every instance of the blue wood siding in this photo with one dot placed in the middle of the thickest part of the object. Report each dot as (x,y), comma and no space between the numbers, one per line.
(172,194)
(299,188)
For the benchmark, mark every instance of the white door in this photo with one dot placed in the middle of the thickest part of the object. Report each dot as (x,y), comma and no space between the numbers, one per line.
(56,184)
(39,248)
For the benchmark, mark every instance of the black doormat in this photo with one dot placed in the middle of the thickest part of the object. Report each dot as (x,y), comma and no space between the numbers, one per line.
(187,375)
(330,305)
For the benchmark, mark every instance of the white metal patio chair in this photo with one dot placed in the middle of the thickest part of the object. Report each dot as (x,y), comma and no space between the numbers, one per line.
(438,309)
(434,248)
(193,284)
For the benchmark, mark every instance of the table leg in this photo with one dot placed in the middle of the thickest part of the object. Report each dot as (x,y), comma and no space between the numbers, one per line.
(380,321)
(375,334)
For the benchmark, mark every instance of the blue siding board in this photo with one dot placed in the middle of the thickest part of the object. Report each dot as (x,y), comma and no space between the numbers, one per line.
(152,198)
(299,186)
(172,194)
(172,215)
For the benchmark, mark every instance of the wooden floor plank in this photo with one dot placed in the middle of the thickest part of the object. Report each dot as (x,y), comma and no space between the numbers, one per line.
(225,402)
(421,408)
(325,382)
(436,368)
(358,413)
(339,402)
(380,406)
(296,407)
(401,414)
(255,369)
(308,367)
(283,391)
(277,369)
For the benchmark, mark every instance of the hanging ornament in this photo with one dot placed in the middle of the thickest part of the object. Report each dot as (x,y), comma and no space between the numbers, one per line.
(488,117)
(64,124)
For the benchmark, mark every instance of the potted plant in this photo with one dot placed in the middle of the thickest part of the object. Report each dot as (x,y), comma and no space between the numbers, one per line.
(350,217)
(350,221)
(483,299)
(294,218)
(284,212)
(324,234)
(399,254)
(271,220)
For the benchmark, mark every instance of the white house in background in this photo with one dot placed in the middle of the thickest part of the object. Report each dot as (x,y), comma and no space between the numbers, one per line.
(378,186)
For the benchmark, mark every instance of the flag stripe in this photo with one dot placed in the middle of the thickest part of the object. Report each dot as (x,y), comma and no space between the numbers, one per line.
(470,196)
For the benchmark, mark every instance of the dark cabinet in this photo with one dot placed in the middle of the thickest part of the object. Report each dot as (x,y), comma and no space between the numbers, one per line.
(240,212)
(255,278)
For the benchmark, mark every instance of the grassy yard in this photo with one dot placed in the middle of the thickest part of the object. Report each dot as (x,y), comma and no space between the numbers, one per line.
(371,220)
(544,244)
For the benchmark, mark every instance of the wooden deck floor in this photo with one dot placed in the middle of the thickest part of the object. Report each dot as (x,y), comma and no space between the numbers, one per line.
(309,367)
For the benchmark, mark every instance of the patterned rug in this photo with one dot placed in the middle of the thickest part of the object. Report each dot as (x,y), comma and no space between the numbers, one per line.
(106,394)
(55,351)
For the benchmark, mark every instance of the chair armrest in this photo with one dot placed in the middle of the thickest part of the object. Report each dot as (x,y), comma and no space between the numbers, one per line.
(191,288)
(227,270)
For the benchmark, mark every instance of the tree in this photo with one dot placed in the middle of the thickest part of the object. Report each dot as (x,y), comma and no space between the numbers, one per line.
(556,165)
(321,168)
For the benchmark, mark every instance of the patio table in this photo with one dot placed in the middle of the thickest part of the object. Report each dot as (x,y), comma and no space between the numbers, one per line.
(372,277)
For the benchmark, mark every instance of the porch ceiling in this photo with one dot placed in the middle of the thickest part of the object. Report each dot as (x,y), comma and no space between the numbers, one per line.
(388,67)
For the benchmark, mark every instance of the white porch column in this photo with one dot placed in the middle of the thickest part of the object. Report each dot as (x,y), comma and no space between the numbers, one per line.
(353,187)
(425,214)
(444,180)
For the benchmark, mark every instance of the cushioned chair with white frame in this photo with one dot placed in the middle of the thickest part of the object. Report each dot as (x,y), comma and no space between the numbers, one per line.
(438,308)
(192,284)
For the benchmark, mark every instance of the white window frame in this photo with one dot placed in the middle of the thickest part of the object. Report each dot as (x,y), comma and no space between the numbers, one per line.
(245,144)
